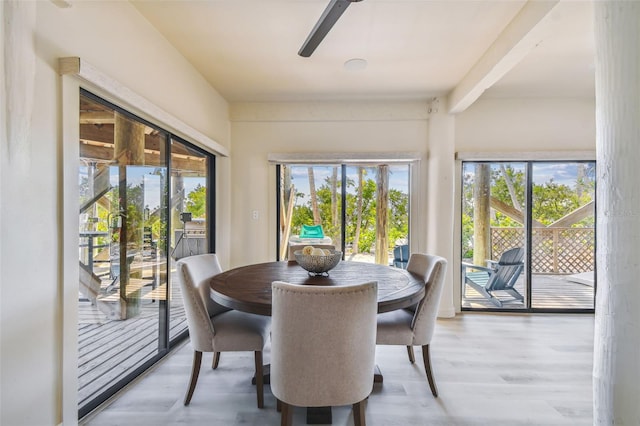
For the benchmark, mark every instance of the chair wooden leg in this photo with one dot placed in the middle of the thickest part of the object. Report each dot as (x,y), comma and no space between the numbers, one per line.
(278,405)
(427,367)
(216,360)
(358,413)
(195,370)
(286,418)
(412,358)
(259,379)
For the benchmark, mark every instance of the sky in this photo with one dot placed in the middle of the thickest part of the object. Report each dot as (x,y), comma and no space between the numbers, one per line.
(398,177)
(561,172)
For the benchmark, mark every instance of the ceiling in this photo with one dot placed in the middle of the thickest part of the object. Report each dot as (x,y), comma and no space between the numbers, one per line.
(415,49)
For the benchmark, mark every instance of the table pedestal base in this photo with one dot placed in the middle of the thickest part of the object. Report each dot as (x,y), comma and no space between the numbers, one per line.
(319,416)
(315,415)
(377,375)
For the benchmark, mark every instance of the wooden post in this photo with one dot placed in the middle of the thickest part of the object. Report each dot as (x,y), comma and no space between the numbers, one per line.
(481,214)
(382,215)
(284,244)
(355,248)
(616,370)
(129,150)
(334,197)
(317,220)
(555,249)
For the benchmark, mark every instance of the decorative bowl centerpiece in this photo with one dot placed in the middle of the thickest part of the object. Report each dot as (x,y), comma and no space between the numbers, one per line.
(317,261)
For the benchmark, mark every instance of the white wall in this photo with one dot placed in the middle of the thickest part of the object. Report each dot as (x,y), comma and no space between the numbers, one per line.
(490,125)
(531,124)
(260,129)
(36,382)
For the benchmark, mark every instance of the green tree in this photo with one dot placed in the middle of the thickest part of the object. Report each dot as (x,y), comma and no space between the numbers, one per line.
(551,201)
(197,202)
(398,211)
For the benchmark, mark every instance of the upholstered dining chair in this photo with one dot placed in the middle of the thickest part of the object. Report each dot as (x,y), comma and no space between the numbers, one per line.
(322,346)
(214,328)
(415,325)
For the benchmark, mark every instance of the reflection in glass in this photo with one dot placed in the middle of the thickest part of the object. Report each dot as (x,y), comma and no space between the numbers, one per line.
(122,178)
(139,213)
(189,212)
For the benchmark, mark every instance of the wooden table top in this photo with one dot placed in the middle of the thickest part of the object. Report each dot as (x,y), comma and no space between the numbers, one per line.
(248,288)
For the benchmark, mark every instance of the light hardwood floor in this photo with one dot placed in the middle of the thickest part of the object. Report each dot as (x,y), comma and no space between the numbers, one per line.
(491,369)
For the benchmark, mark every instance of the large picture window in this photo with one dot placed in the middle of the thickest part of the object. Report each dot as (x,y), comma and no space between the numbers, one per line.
(362,209)
(528,235)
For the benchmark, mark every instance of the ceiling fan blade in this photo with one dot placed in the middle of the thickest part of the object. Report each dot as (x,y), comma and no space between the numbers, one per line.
(334,10)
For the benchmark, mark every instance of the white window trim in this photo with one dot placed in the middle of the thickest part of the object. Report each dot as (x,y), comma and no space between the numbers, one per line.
(117,93)
(527,156)
(344,157)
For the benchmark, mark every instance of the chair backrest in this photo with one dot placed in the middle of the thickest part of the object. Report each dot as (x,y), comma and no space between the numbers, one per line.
(323,343)
(507,270)
(401,256)
(432,269)
(194,273)
(311,231)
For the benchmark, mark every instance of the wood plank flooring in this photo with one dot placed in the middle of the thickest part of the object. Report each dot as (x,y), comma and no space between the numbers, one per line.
(491,369)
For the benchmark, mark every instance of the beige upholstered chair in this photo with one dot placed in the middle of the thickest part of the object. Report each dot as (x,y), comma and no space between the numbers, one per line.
(415,325)
(323,346)
(214,328)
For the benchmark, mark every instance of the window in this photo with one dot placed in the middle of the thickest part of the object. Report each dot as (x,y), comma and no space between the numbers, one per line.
(528,235)
(363,209)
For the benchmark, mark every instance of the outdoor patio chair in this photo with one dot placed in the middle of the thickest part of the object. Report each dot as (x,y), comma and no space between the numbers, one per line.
(401,256)
(500,276)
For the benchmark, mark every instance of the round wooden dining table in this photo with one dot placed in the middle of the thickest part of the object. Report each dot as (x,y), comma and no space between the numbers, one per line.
(248,288)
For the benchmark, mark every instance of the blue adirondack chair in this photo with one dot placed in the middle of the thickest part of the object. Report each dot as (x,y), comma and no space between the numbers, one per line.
(501,276)
(401,256)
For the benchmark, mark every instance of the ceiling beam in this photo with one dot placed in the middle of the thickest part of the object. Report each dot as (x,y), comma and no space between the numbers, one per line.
(520,36)
(102,153)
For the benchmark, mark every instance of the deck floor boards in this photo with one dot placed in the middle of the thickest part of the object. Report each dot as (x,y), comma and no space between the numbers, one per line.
(108,350)
(548,292)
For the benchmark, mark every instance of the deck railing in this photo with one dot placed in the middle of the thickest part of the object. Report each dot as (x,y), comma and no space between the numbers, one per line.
(554,250)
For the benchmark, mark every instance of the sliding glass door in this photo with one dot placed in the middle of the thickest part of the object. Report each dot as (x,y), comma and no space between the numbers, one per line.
(143,204)
(528,236)
(563,235)
(191,183)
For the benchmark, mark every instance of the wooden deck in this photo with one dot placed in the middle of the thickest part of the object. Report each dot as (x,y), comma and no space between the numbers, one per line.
(108,350)
(548,292)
